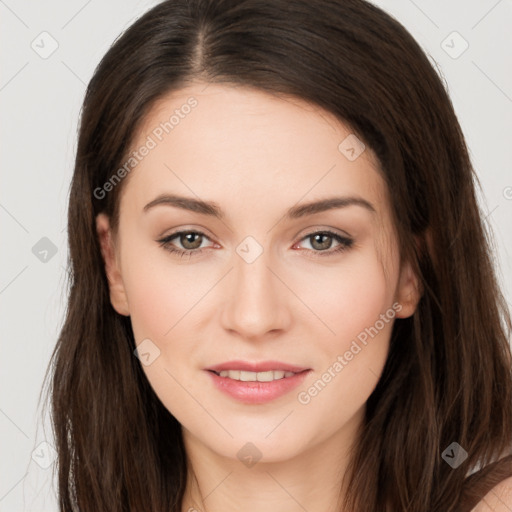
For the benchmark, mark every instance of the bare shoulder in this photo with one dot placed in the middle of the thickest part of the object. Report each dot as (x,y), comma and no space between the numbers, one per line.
(498,499)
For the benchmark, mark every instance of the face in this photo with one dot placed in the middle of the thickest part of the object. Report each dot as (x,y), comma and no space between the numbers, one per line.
(218,259)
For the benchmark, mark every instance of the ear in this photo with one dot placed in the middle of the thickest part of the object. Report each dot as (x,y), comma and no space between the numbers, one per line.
(117,292)
(408,291)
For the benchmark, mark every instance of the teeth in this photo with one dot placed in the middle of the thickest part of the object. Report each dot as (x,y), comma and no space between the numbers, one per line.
(255,376)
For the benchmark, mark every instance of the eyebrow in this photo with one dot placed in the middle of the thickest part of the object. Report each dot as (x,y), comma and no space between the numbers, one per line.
(295,212)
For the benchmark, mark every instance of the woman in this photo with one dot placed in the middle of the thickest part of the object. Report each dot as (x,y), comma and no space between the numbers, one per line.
(282,293)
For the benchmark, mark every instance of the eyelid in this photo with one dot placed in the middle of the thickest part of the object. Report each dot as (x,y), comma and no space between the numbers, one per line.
(324,229)
(186,229)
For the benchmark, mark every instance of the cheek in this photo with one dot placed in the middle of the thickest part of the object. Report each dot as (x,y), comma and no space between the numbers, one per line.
(161,297)
(348,298)
(151,305)
(160,293)
(352,303)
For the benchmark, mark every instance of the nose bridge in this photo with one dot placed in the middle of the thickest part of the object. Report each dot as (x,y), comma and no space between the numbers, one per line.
(256,299)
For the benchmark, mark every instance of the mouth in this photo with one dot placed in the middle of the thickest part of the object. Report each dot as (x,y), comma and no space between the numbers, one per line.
(256,383)
(246,376)
(254,367)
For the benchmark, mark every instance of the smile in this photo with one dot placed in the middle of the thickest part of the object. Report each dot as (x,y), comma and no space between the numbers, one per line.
(246,376)
(256,387)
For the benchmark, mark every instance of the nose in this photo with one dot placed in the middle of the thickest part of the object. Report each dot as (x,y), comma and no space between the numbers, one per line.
(258,303)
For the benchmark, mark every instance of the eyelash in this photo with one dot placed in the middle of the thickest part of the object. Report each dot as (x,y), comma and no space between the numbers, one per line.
(345,243)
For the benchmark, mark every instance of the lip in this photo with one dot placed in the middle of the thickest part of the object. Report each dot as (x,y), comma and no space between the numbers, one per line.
(263,366)
(255,392)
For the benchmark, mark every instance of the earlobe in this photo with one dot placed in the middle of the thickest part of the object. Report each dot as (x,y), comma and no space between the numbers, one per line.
(116,286)
(409,291)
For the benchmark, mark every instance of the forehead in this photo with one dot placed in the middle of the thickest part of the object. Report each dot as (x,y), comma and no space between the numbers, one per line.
(249,147)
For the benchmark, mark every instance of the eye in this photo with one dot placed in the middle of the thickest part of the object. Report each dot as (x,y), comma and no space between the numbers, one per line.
(321,242)
(191,242)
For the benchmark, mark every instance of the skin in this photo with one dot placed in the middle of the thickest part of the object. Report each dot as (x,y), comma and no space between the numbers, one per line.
(498,499)
(256,155)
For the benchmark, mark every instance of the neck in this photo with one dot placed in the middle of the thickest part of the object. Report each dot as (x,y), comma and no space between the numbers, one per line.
(311,480)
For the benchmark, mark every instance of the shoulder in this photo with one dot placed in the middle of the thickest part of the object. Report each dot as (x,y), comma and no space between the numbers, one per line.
(498,499)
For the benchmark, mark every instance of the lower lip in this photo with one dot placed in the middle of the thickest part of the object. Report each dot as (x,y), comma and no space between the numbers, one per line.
(257,392)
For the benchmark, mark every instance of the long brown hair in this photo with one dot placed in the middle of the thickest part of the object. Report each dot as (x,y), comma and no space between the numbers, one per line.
(448,376)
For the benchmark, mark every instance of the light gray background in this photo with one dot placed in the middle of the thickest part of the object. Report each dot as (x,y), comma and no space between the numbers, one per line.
(40,100)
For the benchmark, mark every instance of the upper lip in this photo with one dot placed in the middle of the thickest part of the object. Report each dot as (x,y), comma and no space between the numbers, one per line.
(262,366)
